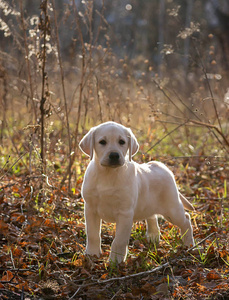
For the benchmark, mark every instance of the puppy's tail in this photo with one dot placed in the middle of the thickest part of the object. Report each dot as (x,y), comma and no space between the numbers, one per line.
(186,203)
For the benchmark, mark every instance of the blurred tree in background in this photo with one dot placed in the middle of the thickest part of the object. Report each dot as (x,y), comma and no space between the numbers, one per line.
(84,62)
(156,30)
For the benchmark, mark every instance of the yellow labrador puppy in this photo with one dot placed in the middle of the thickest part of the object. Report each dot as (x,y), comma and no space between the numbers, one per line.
(116,189)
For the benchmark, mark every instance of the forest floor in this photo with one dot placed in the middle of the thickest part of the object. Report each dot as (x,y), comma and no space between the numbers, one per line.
(42,242)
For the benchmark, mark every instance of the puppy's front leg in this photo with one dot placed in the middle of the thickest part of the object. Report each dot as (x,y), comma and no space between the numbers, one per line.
(93,228)
(152,230)
(122,236)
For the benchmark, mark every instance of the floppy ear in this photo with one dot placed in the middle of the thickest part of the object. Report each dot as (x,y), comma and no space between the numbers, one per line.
(133,144)
(87,143)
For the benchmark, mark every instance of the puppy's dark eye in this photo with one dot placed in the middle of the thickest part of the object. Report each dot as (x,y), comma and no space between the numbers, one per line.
(122,142)
(103,142)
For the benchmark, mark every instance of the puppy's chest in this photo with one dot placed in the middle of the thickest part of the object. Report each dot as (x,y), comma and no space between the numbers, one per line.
(107,195)
(108,201)
(106,188)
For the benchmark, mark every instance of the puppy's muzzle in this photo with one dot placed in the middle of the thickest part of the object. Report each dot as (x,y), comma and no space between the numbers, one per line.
(113,160)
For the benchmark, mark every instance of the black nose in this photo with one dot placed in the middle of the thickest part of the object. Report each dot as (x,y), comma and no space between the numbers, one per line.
(114,157)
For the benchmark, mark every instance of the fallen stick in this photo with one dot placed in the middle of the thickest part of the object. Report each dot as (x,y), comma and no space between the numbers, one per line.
(122,278)
(203,240)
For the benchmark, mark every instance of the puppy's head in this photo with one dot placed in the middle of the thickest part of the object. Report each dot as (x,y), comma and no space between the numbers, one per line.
(109,144)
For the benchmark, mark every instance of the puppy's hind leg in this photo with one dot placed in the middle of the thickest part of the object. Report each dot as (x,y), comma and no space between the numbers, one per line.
(182,219)
(187,231)
(152,230)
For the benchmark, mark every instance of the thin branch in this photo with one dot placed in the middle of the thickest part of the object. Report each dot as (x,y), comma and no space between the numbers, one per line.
(81,88)
(44,24)
(64,94)
(165,136)
(13,165)
(6,163)
(157,269)
(165,94)
(27,59)
(201,242)
(209,87)
(145,273)
(226,141)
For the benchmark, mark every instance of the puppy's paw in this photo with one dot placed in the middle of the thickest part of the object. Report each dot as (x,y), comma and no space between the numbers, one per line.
(116,258)
(92,252)
(189,241)
(153,238)
(118,253)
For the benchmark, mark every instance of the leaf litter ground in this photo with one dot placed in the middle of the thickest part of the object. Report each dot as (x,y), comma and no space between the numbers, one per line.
(42,243)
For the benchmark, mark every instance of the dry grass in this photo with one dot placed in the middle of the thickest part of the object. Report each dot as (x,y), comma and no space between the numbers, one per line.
(48,102)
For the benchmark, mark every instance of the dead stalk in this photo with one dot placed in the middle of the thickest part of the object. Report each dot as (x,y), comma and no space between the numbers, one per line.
(44,24)
(81,88)
(27,60)
(209,87)
(4,102)
(64,94)
(12,164)
(165,136)
(211,126)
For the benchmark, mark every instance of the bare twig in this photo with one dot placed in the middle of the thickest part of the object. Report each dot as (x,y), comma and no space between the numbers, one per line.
(167,96)
(47,182)
(219,131)
(3,101)
(209,86)
(157,269)
(7,161)
(43,25)
(180,125)
(202,241)
(13,165)
(81,87)
(145,273)
(12,259)
(77,291)
(64,95)
(27,60)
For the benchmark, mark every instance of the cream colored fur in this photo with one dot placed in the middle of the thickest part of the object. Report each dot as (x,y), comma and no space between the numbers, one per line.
(117,189)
